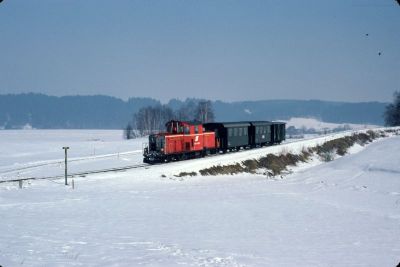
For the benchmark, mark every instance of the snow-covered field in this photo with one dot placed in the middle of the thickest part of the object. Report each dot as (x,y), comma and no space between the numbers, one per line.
(38,153)
(341,213)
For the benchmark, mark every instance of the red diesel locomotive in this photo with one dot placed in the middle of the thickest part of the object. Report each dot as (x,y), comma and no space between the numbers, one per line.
(182,140)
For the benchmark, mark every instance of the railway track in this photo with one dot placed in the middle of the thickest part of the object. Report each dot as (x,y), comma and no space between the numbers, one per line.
(61,161)
(119,169)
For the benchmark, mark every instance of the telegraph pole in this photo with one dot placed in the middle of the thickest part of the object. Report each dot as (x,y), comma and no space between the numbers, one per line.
(66,173)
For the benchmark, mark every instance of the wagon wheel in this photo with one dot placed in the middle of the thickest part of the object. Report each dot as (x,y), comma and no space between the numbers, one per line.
(183,157)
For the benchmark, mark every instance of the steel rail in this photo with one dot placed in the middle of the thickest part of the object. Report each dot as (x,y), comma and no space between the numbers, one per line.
(79,173)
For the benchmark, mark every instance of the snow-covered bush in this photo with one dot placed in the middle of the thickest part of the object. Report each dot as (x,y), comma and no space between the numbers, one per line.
(328,155)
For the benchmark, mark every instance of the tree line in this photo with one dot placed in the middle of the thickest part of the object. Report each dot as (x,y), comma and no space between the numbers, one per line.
(152,119)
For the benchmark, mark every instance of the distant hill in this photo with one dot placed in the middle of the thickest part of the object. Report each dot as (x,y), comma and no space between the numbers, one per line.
(105,112)
(68,112)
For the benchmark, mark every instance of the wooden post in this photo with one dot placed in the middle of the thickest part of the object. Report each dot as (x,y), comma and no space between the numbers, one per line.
(66,169)
(73,184)
(20,184)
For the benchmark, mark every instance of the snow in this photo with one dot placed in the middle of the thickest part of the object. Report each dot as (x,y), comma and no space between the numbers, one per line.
(247,111)
(342,213)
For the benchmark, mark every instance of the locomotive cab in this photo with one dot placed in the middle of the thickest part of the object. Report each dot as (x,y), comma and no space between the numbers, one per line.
(177,127)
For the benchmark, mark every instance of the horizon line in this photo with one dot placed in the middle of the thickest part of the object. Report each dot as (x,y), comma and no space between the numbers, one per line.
(186,99)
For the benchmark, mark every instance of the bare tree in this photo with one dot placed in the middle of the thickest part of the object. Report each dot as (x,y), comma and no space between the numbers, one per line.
(150,119)
(186,112)
(204,111)
(392,113)
(128,132)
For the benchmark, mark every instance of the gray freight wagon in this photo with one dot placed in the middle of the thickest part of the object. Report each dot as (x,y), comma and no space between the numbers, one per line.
(260,133)
(230,135)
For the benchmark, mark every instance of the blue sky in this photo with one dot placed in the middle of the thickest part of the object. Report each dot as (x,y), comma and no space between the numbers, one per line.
(226,50)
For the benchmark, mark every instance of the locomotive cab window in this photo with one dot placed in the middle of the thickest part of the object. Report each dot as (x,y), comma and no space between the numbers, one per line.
(196,129)
(186,129)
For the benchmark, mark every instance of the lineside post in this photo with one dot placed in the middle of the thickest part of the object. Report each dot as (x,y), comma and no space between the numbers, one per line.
(66,172)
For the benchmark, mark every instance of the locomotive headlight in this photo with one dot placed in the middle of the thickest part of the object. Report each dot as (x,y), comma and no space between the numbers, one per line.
(162,149)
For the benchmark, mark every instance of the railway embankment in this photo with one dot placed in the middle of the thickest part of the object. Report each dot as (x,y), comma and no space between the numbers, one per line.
(279,163)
